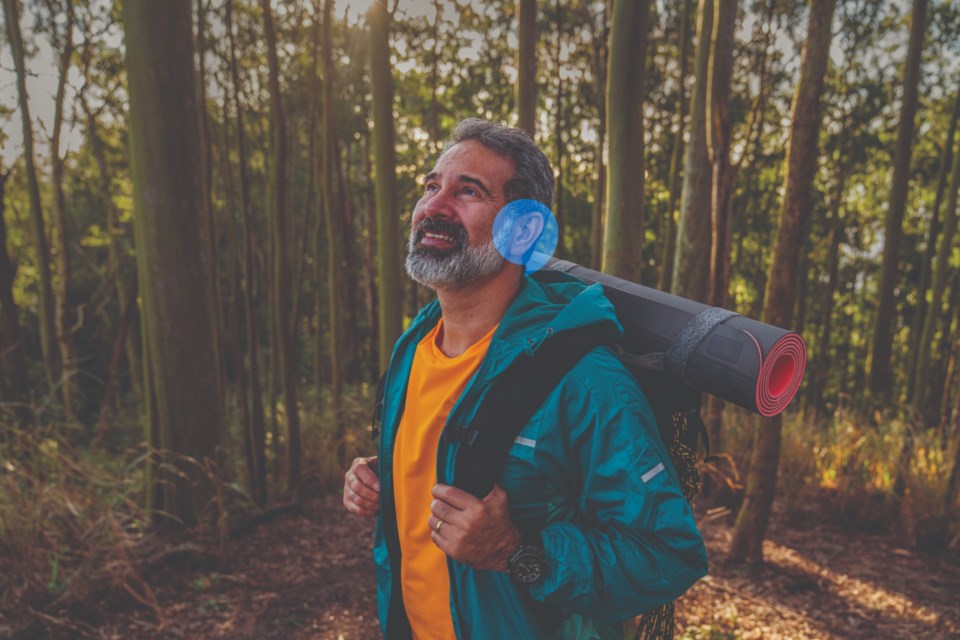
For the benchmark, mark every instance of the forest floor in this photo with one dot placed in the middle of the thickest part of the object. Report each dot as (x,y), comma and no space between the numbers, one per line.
(309,574)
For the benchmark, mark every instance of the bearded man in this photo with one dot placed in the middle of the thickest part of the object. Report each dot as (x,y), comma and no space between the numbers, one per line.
(587,526)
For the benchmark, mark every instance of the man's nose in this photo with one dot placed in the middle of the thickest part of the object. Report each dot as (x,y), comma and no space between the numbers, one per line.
(440,204)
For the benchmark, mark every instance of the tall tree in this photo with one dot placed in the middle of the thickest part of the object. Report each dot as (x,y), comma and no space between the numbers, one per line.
(390,289)
(691,265)
(881,377)
(210,249)
(48,333)
(13,372)
(257,457)
(168,203)
(527,66)
(719,128)
(665,281)
(941,270)
(336,268)
(61,244)
(946,161)
(623,232)
(778,301)
(283,324)
(600,34)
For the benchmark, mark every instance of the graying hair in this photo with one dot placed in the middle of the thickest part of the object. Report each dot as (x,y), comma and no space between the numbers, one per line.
(532,177)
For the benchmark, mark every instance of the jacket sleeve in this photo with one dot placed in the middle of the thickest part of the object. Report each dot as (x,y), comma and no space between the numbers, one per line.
(633,544)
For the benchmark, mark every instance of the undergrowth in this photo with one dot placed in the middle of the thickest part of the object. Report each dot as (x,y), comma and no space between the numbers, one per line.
(844,470)
(76,540)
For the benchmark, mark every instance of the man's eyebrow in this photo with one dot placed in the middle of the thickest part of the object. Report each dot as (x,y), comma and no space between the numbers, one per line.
(433,175)
(476,181)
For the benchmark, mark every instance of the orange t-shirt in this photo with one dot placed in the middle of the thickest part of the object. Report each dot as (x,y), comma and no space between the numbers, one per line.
(435,384)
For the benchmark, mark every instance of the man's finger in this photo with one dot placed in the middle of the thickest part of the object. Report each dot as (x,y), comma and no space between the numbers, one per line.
(361,488)
(364,502)
(445,511)
(367,475)
(454,497)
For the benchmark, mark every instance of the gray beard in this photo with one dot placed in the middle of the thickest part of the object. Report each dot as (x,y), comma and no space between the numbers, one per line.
(454,270)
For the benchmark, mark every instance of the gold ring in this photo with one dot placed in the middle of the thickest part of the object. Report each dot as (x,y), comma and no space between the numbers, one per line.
(439,524)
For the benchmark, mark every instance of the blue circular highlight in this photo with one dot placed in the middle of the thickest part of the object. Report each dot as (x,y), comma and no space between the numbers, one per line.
(525,232)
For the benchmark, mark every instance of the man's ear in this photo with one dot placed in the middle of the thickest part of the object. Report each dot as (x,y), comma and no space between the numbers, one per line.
(525,233)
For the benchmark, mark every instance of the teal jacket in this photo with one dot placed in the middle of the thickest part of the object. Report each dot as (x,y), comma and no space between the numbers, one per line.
(592,474)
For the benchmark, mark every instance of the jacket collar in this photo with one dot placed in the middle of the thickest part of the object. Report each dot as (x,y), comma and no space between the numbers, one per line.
(548,302)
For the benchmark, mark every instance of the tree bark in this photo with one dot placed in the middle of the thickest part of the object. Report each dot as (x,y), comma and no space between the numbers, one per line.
(168,201)
(257,420)
(669,246)
(600,36)
(941,270)
(800,170)
(13,372)
(47,328)
(336,269)
(527,66)
(718,147)
(390,289)
(211,232)
(881,377)
(691,265)
(623,232)
(283,323)
(946,161)
(61,237)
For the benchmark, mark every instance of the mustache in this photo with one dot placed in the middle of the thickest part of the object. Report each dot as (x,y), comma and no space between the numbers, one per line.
(430,225)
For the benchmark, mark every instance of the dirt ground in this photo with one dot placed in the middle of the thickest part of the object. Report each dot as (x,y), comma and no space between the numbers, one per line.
(309,575)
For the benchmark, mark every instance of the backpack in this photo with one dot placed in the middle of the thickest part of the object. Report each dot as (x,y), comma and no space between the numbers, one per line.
(525,385)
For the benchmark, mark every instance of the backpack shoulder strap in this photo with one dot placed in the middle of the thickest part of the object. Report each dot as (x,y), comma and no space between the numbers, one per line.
(515,397)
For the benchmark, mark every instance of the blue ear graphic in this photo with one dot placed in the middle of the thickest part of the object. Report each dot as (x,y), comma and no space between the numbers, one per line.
(525,232)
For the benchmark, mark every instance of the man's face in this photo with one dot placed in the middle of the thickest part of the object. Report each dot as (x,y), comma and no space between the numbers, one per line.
(451,242)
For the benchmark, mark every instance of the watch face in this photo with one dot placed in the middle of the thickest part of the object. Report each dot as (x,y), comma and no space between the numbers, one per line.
(527,565)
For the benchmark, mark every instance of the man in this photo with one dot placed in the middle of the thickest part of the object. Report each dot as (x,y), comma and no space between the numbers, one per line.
(587,526)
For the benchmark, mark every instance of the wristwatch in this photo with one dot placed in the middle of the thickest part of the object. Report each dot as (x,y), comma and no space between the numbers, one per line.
(529,563)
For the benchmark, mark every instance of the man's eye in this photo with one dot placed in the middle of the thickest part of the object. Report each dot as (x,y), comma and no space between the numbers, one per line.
(470,191)
(431,187)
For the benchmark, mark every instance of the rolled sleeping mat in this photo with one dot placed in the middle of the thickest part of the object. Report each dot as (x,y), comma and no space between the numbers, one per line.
(752,364)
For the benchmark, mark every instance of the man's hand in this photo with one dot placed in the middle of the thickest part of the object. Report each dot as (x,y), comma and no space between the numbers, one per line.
(361,488)
(475,532)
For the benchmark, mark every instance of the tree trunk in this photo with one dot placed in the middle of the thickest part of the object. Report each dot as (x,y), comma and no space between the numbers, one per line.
(257,420)
(368,220)
(168,200)
(13,372)
(718,146)
(210,231)
(691,265)
(623,232)
(527,66)
(942,268)
(61,245)
(112,387)
(799,173)
(669,240)
(47,328)
(600,37)
(881,376)
(390,289)
(946,161)
(558,130)
(283,323)
(821,360)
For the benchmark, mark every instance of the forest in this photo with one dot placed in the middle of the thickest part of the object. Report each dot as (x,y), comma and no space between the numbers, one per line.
(204,212)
